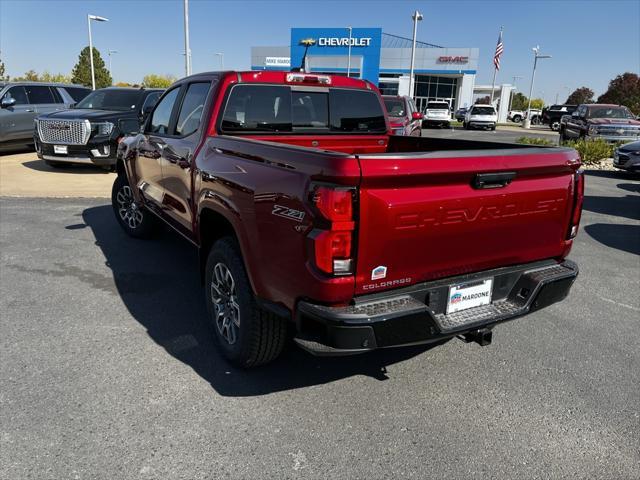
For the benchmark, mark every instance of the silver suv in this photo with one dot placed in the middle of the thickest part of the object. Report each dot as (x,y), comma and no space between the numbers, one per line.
(22,102)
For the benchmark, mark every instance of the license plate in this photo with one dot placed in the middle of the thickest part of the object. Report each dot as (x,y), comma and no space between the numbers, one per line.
(469,295)
(60,149)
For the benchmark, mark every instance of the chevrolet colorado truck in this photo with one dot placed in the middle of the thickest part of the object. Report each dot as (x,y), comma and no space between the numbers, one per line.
(311,218)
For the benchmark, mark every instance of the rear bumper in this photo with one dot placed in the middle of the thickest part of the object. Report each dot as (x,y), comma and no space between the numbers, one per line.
(416,314)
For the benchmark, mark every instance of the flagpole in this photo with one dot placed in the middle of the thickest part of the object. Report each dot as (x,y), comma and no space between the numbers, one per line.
(495,72)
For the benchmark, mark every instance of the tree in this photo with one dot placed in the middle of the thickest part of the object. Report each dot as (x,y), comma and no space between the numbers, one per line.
(81,73)
(579,96)
(158,81)
(623,90)
(55,77)
(30,76)
(519,102)
(536,103)
(2,77)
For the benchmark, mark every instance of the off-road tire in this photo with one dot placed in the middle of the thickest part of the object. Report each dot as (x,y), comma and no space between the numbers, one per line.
(144,225)
(260,335)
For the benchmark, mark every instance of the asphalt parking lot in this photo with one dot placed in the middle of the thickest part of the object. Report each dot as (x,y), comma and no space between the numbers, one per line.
(508,134)
(107,370)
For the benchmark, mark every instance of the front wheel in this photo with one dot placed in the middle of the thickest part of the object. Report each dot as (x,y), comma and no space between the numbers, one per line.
(134,219)
(246,334)
(517,119)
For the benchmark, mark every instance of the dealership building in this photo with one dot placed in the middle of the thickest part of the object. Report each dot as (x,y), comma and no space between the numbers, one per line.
(440,73)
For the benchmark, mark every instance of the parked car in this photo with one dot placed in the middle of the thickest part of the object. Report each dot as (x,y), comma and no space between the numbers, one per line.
(484,116)
(613,123)
(90,132)
(536,116)
(627,157)
(308,215)
(22,102)
(515,116)
(436,113)
(403,115)
(551,116)
(460,113)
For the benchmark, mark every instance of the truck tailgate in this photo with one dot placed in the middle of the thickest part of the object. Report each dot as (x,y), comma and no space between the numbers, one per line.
(423,217)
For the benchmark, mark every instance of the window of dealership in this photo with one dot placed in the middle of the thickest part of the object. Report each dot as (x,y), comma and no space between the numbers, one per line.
(440,73)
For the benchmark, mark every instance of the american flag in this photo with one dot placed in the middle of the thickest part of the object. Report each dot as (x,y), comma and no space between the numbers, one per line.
(499,50)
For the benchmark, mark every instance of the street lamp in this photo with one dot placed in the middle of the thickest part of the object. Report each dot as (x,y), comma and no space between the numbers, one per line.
(93,73)
(221,55)
(536,56)
(417,16)
(187,48)
(349,54)
(111,52)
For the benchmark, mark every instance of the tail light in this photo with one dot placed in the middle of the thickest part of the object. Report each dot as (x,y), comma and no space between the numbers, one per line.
(578,199)
(333,240)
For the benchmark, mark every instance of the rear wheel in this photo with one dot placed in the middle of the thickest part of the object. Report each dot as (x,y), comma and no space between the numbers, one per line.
(134,219)
(517,118)
(246,334)
(554,125)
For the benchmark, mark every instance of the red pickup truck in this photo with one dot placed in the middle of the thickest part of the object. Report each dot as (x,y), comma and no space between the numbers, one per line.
(310,217)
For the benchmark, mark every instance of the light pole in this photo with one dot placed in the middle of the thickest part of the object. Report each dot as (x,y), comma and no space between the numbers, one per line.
(536,56)
(93,73)
(111,52)
(349,54)
(221,55)
(515,80)
(187,49)
(417,16)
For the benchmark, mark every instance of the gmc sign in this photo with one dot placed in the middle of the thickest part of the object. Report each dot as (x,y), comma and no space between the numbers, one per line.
(448,59)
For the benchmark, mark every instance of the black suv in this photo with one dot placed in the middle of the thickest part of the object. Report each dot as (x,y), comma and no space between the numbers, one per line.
(551,116)
(89,132)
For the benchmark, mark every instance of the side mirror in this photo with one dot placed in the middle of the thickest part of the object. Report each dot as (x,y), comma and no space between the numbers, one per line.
(417,116)
(8,102)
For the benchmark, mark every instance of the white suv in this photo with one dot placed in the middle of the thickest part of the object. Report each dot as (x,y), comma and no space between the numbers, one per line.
(436,113)
(484,116)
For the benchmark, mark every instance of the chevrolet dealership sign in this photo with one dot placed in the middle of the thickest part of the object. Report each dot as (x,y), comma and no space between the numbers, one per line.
(344,42)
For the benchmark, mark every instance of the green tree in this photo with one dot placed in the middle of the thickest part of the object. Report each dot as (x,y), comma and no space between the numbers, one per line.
(30,76)
(537,103)
(623,90)
(579,96)
(519,102)
(81,73)
(2,77)
(158,81)
(55,77)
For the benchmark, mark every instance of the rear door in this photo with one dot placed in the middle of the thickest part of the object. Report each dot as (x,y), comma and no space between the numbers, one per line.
(423,218)
(44,99)
(178,152)
(16,121)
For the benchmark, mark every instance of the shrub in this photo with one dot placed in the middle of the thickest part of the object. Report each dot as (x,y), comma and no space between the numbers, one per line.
(592,151)
(535,141)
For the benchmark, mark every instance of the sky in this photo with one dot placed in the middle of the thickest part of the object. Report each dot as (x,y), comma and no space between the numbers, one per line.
(591,41)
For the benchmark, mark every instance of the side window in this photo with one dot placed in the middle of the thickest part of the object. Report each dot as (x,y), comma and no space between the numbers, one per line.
(39,94)
(77,93)
(192,108)
(19,94)
(162,114)
(151,100)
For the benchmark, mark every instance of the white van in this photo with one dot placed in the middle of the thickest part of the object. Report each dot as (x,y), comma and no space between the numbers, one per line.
(484,116)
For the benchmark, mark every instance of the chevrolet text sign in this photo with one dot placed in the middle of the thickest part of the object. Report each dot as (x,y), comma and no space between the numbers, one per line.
(344,42)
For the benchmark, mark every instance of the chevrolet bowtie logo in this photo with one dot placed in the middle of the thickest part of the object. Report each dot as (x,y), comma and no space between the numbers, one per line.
(307,42)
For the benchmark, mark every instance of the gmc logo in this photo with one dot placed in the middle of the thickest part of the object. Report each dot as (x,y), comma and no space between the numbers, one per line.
(449,59)
(58,126)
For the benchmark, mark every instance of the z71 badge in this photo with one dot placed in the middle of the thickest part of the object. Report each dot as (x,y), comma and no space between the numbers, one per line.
(287,212)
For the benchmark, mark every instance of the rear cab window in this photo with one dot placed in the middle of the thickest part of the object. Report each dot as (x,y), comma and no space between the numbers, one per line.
(276,108)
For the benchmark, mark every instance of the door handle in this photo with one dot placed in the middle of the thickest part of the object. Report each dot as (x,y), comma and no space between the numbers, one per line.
(30,110)
(493,180)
